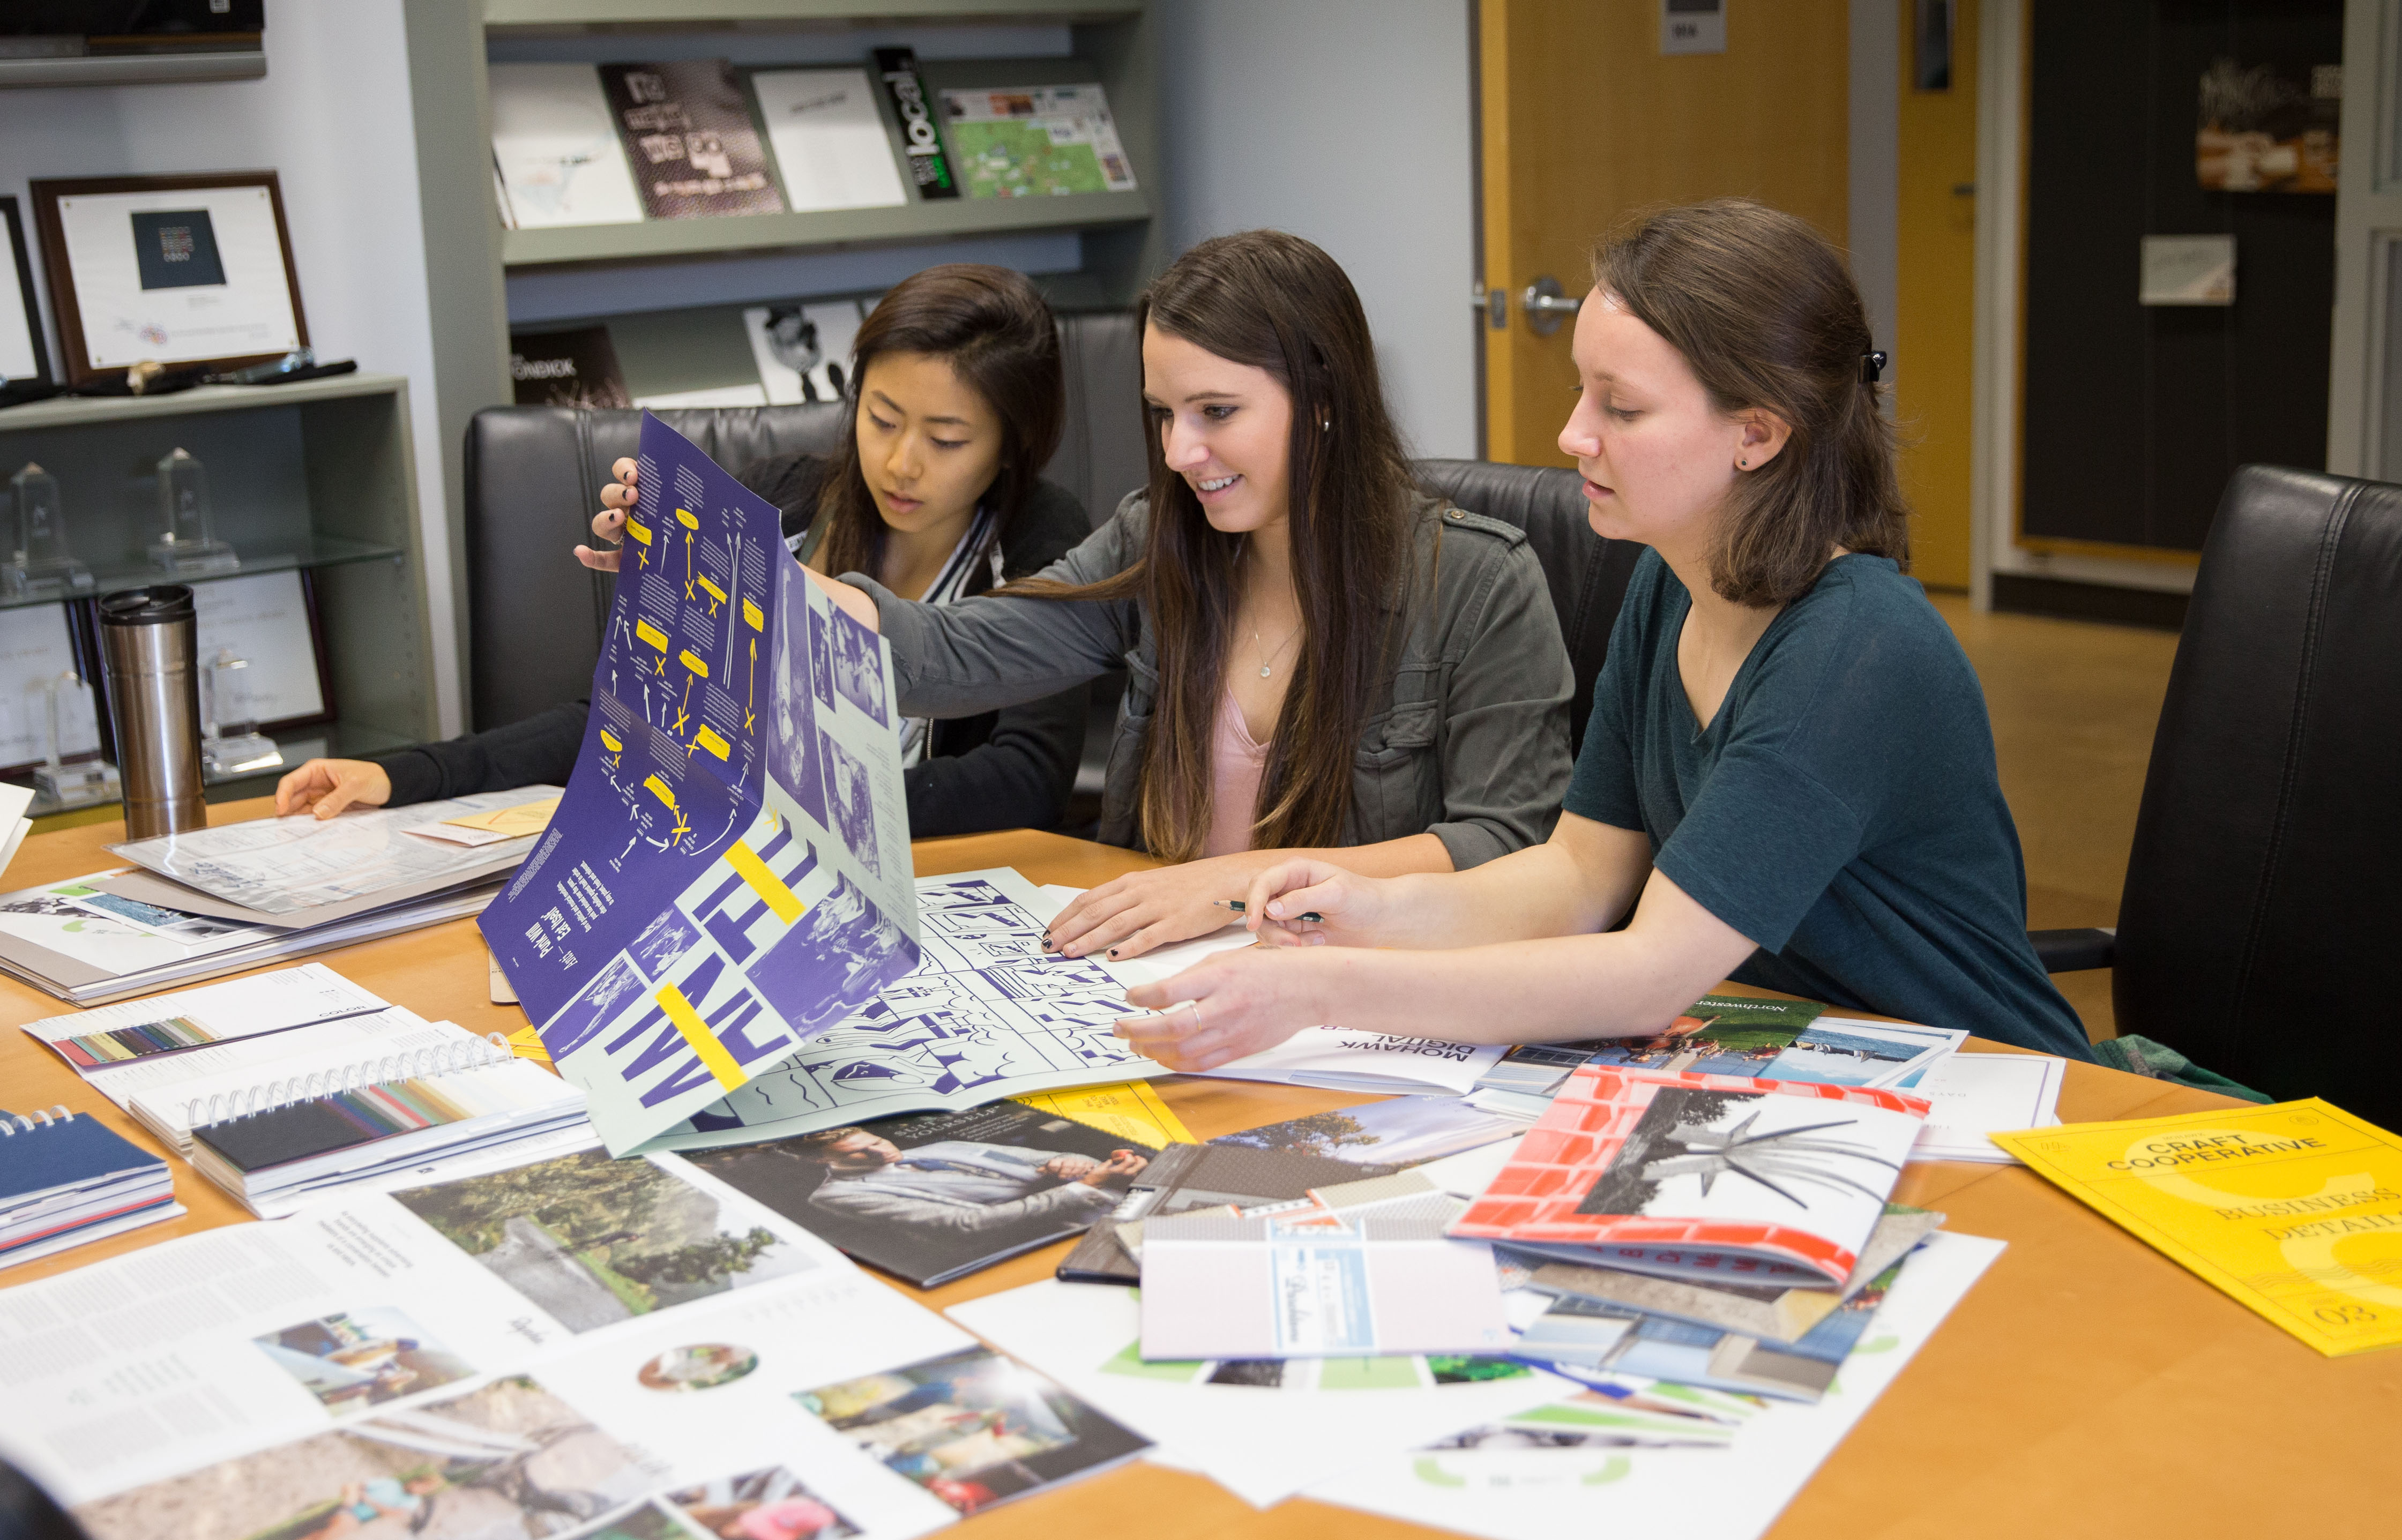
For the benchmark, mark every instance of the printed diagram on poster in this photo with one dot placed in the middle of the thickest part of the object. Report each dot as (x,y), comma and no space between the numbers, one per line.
(728,875)
(989,1013)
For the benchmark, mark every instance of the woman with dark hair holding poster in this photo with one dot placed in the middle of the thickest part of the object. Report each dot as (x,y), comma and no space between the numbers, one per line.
(1319,656)
(1788,774)
(935,487)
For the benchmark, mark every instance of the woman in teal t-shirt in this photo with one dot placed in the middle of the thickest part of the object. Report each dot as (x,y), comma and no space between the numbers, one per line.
(1788,774)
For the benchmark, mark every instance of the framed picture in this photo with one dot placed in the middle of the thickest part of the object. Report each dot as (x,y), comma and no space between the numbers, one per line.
(23,361)
(183,269)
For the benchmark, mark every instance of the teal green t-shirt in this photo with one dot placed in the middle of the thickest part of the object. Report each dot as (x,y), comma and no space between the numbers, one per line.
(1842,810)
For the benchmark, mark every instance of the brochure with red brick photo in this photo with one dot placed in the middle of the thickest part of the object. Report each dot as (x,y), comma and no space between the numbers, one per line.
(1781,1169)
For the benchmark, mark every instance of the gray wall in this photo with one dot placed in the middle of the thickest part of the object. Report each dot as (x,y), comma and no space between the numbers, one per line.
(1346,121)
(332,120)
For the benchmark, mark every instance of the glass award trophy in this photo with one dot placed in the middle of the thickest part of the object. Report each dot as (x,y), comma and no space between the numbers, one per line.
(185,544)
(65,785)
(42,567)
(230,742)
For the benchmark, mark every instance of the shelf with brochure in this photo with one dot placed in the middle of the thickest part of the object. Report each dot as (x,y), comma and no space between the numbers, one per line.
(320,587)
(915,217)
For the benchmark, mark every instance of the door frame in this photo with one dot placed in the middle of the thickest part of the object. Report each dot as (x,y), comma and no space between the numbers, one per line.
(2000,340)
(2367,243)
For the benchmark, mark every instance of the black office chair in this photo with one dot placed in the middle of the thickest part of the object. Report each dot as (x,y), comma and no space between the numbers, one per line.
(1586,573)
(2266,880)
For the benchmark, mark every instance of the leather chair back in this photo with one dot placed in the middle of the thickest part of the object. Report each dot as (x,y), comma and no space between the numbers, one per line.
(533,478)
(2265,884)
(1587,574)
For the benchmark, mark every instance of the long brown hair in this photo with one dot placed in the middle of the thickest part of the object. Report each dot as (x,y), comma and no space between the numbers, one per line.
(992,327)
(1765,314)
(1275,302)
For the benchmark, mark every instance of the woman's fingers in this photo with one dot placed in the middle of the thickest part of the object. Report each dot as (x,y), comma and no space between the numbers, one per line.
(1264,899)
(1227,1007)
(600,561)
(1074,926)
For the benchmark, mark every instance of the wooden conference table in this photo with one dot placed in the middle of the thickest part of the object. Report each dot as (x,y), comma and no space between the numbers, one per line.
(2086,1387)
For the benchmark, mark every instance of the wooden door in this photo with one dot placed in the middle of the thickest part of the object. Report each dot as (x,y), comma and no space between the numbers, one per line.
(1934,300)
(1584,119)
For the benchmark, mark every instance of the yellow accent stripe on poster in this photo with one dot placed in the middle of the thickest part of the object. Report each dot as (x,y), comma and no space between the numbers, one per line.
(704,1042)
(770,887)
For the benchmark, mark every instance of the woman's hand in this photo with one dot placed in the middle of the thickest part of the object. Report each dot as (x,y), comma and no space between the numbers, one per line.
(609,523)
(1231,1005)
(1141,911)
(1309,902)
(329,786)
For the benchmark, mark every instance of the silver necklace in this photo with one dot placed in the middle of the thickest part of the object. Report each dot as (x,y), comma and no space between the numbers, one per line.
(1267,660)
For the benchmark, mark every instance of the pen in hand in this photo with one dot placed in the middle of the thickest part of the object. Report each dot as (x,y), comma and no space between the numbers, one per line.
(1313,916)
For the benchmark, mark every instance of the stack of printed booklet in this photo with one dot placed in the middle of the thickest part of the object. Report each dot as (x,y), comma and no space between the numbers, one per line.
(213,901)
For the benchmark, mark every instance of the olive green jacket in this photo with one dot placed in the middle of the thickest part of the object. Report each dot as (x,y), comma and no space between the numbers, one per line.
(1467,742)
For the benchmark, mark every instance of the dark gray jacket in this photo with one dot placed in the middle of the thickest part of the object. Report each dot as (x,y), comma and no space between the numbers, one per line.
(1469,743)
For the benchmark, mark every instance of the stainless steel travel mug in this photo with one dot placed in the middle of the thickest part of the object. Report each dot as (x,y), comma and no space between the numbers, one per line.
(147,638)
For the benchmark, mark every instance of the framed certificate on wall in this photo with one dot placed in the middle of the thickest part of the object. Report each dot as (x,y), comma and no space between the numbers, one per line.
(182,269)
(25,363)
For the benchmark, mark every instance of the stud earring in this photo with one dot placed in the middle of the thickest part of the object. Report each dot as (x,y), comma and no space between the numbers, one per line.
(1743,465)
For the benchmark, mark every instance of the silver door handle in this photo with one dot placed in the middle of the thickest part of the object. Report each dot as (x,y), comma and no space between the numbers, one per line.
(1545,302)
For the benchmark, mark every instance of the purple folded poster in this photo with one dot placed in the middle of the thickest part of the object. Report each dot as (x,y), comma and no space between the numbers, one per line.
(728,874)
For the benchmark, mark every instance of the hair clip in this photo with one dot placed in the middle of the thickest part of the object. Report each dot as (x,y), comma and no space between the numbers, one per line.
(1871,365)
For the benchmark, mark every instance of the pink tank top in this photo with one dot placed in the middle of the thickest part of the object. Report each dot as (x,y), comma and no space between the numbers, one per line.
(1237,761)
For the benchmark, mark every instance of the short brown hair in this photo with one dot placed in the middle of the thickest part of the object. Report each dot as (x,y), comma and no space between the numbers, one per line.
(1766,315)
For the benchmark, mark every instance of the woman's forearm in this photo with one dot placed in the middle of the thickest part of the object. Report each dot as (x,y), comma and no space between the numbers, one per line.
(1566,887)
(850,600)
(1562,987)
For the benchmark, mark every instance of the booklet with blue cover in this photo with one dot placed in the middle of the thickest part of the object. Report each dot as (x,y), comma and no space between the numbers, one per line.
(729,871)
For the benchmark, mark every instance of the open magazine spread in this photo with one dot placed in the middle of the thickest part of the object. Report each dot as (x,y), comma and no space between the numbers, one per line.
(728,874)
(932,1196)
(1789,1170)
(285,870)
(988,1013)
(533,1350)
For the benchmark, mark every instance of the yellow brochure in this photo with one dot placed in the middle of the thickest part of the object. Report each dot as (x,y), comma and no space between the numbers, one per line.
(1131,1110)
(526,818)
(2295,1210)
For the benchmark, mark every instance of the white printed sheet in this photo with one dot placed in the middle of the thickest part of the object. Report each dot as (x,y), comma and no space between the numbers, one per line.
(986,1014)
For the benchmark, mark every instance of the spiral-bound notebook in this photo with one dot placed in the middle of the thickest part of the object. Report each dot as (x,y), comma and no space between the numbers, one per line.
(66,1180)
(276,1144)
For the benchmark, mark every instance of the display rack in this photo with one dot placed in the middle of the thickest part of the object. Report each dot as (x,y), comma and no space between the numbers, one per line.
(469,256)
(317,476)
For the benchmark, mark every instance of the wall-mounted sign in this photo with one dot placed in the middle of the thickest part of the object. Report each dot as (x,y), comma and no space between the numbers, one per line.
(1693,26)
(2189,270)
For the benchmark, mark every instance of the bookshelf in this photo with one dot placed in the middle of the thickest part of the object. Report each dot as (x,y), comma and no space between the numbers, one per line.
(317,476)
(470,256)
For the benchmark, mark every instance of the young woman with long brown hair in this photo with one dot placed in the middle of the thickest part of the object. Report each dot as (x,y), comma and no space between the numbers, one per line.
(1319,656)
(1788,774)
(934,485)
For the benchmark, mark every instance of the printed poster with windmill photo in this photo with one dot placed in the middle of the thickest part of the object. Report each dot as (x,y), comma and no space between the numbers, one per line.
(1785,1171)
